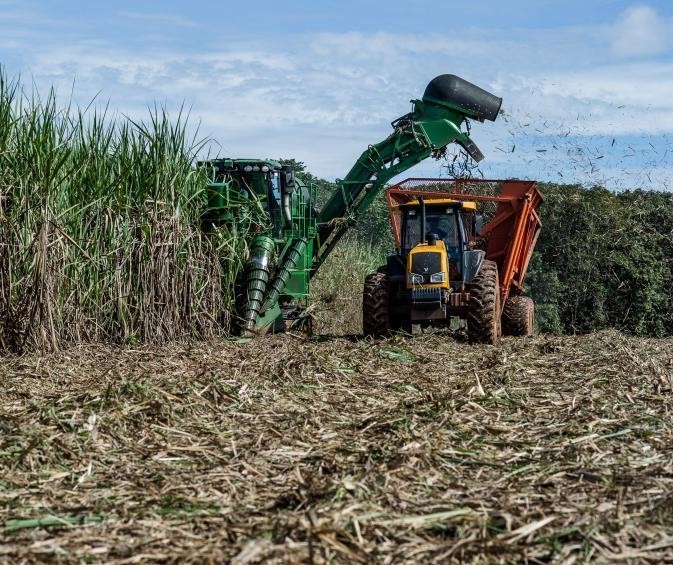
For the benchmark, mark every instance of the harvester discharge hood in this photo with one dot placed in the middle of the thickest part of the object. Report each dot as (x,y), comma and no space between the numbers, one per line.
(457,93)
(454,99)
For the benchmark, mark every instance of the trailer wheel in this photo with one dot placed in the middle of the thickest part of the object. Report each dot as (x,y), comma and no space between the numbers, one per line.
(483,314)
(518,316)
(376,305)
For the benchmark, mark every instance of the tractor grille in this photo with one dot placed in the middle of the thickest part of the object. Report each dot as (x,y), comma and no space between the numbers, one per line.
(426,297)
(426,264)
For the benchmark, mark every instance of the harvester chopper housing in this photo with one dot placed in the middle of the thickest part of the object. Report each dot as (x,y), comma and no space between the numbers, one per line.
(290,239)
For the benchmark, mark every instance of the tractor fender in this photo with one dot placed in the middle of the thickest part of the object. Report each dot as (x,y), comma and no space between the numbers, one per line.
(472,261)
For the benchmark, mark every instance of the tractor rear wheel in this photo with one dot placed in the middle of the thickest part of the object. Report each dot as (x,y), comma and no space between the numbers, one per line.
(518,316)
(483,314)
(376,305)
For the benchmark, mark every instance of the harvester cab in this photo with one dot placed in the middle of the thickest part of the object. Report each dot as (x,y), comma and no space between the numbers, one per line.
(266,184)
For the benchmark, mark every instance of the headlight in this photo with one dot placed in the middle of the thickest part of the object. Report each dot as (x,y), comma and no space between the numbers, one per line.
(438,278)
(415,279)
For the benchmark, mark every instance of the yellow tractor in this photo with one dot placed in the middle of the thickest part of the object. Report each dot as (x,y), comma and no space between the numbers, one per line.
(449,264)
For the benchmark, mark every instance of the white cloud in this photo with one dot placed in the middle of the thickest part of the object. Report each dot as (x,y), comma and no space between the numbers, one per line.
(323,97)
(641,31)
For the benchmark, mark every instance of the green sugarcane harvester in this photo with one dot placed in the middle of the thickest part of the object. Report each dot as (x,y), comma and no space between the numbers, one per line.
(290,239)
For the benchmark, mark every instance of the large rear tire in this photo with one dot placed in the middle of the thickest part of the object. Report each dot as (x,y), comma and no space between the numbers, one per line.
(376,305)
(483,314)
(518,316)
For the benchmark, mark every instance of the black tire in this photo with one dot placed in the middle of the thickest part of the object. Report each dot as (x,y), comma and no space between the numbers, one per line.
(279,325)
(376,305)
(483,314)
(518,316)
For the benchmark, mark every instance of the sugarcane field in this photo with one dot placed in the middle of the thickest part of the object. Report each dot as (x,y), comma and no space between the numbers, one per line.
(336,283)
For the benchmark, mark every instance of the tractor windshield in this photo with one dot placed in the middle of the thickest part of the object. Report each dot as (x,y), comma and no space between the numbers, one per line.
(439,220)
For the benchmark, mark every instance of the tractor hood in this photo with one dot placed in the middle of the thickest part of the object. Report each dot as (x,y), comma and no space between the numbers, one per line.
(459,94)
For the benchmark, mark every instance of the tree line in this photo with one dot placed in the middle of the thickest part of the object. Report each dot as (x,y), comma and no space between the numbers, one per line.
(604,260)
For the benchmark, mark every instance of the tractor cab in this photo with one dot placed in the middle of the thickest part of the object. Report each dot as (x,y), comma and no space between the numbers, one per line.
(435,260)
(434,240)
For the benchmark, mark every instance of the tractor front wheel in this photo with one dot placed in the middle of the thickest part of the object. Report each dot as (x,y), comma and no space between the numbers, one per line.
(376,305)
(518,316)
(483,315)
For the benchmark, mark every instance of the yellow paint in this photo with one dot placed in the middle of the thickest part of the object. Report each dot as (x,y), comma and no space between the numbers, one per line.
(463,205)
(438,247)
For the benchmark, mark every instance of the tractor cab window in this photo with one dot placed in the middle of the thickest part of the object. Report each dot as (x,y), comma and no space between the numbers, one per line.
(439,220)
(443,225)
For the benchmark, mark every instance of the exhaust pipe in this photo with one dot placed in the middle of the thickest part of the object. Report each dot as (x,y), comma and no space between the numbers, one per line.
(287,186)
(424,227)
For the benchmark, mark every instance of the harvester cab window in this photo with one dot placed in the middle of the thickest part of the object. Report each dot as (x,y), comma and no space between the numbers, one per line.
(275,185)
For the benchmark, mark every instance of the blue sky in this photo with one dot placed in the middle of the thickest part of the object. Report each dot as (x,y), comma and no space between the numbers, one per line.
(587,86)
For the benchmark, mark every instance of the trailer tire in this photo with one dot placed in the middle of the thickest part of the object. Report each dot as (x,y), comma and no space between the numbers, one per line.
(518,316)
(483,314)
(376,305)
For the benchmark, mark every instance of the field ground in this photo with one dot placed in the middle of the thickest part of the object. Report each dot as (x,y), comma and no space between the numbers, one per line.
(334,449)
